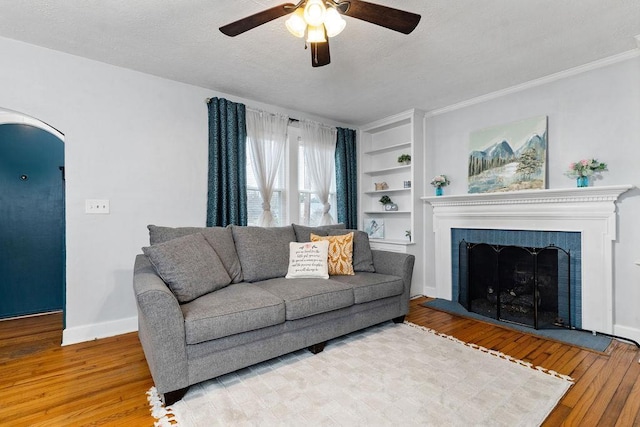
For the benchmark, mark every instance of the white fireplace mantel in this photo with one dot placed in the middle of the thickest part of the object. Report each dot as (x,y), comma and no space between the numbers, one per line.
(590,211)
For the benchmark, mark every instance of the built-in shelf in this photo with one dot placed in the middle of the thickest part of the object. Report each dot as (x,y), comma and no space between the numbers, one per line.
(389,148)
(386,212)
(390,190)
(402,168)
(393,242)
(381,143)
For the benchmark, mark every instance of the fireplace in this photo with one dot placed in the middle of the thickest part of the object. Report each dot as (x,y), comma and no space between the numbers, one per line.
(528,286)
(588,212)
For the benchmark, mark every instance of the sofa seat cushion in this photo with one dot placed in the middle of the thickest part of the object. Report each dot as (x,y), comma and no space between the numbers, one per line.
(372,286)
(232,310)
(307,297)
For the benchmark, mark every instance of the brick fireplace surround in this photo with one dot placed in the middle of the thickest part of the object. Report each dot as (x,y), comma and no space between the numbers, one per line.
(590,211)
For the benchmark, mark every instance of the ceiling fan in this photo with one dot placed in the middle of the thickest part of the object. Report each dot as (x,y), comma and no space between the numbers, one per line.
(321,19)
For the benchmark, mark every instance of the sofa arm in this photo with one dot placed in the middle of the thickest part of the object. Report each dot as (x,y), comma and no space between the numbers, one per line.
(160,328)
(396,264)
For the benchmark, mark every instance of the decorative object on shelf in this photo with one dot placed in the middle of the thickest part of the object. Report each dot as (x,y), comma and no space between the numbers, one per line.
(440,181)
(509,157)
(385,200)
(405,159)
(583,170)
(381,186)
(391,207)
(406,184)
(407,233)
(374,227)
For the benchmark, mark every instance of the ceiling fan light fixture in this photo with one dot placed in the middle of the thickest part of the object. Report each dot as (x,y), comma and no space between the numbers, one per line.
(333,22)
(315,34)
(314,12)
(296,23)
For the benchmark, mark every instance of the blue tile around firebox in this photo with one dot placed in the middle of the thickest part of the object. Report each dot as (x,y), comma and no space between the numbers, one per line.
(568,241)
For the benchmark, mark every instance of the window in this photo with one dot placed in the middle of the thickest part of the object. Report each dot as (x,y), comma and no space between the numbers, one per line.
(309,205)
(278,199)
(303,207)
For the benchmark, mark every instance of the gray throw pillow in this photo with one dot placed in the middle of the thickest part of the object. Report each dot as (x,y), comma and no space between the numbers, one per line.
(220,239)
(189,266)
(303,232)
(362,256)
(263,252)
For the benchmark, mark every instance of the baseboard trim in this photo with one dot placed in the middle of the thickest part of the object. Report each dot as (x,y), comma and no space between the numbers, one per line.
(430,292)
(627,332)
(95,331)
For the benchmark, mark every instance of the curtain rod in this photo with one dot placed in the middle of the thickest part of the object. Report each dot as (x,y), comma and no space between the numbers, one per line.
(291,119)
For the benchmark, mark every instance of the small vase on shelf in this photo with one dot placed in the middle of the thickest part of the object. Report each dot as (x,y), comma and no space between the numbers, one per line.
(582,181)
(439,191)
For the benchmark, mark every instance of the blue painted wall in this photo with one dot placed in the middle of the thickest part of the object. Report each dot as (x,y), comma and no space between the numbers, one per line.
(31,221)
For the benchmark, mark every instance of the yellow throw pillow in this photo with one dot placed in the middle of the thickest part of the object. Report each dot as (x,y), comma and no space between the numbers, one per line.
(340,253)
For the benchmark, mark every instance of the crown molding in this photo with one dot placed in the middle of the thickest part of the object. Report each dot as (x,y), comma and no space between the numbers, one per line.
(624,56)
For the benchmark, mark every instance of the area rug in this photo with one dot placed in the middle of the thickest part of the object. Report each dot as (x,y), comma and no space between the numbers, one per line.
(390,374)
(582,339)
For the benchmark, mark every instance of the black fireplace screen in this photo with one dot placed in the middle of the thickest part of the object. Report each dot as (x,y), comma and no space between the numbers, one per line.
(524,285)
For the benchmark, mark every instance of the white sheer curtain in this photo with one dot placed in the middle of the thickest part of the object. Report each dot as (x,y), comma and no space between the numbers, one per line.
(267,136)
(319,151)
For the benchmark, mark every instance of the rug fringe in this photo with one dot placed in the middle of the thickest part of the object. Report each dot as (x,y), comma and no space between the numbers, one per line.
(165,416)
(495,353)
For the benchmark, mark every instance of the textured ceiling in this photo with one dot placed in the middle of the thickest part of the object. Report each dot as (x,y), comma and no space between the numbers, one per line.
(461,49)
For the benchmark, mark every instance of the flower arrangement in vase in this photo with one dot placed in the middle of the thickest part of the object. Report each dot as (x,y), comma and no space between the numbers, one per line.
(584,169)
(438,182)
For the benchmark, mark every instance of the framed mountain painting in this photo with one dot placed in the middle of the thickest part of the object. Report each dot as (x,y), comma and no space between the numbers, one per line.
(509,157)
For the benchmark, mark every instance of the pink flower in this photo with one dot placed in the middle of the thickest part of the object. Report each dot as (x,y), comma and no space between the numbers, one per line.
(584,162)
(572,166)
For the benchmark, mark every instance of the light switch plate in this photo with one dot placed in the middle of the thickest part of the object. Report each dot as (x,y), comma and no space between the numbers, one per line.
(96,206)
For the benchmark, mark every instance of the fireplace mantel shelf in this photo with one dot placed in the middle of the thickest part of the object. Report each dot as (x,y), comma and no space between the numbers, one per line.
(556,195)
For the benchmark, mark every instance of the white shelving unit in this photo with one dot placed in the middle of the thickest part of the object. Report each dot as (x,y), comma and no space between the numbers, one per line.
(381,143)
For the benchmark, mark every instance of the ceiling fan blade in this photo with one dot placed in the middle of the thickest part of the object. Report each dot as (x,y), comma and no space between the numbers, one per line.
(253,21)
(320,54)
(388,17)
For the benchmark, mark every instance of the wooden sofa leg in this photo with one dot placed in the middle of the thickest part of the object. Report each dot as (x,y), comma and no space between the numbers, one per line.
(172,397)
(399,319)
(317,348)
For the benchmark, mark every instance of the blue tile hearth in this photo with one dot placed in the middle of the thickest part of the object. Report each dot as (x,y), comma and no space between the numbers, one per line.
(573,337)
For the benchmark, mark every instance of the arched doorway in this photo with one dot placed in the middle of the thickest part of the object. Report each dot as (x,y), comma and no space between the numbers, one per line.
(32,226)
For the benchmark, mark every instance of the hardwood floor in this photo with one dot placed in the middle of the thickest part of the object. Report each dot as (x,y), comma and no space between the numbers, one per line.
(104,382)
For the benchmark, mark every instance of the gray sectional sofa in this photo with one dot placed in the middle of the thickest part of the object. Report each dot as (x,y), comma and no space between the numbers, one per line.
(214,300)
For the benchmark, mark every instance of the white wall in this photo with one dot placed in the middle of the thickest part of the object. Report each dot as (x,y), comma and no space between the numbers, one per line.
(139,141)
(592,113)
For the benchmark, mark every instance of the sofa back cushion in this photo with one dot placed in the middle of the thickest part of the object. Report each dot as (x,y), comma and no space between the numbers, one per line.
(362,256)
(189,266)
(220,239)
(303,232)
(263,252)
